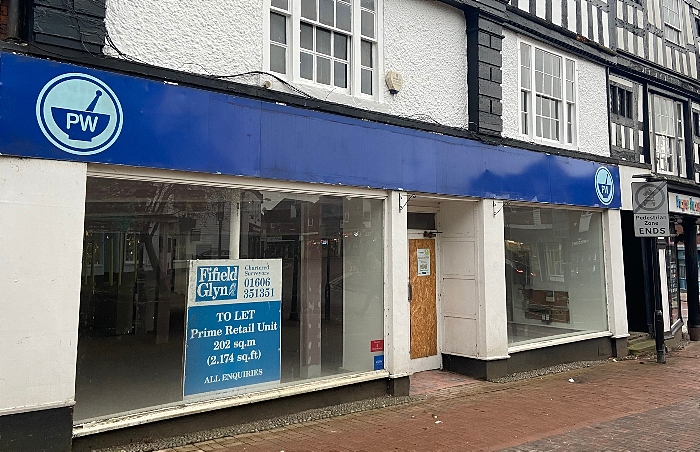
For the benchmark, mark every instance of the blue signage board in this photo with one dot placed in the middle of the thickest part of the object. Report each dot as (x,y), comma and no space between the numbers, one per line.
(216,282)
(233,336)
(61,111)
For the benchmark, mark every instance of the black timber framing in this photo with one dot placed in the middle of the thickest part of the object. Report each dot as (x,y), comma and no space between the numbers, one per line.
(539,29)
(75,24)
(484,75)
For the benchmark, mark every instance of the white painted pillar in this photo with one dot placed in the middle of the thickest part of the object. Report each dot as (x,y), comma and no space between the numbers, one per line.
(42,210)
(614,273)
(397,312)
(492,341)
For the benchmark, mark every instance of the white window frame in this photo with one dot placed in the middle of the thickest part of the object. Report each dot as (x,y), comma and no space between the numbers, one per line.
(665,110)
(567,107)
(673,31)
(355,68)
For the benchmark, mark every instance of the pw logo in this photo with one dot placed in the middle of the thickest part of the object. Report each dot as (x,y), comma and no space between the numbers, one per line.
(79,114)
(604,186)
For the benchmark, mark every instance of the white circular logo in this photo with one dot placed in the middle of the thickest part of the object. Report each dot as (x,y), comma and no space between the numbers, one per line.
(604,186)
(79,114)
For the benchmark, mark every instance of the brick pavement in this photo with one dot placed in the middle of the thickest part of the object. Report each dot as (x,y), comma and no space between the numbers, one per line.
(629,405)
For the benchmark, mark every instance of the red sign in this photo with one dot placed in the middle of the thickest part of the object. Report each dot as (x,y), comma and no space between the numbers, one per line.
(376,346)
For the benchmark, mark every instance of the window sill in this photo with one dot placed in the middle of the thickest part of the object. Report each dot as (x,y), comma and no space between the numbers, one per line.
(672,174)
(550,143)
(557,341)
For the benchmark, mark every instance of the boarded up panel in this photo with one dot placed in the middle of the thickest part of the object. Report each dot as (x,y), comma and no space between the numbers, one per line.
(423,308)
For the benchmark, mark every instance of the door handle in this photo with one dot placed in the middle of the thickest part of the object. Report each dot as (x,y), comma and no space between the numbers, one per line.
(410,292)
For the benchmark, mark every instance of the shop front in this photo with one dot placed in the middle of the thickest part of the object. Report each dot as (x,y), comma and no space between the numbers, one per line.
(209,258)
(664,267)
(680,264)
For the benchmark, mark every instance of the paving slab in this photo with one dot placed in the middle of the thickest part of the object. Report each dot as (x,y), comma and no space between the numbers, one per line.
(619,405)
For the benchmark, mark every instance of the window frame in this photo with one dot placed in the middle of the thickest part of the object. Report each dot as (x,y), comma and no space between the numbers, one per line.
(666,11)
(355,66)
(622,102)
(567,104)
(676,140)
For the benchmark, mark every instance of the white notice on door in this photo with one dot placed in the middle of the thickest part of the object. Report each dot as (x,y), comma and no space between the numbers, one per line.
(423,261)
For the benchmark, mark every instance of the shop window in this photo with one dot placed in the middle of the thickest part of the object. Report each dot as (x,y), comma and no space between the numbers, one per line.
(673,275)
(139,238)
(548,95)
(329,33)
(555,285)
(667,135)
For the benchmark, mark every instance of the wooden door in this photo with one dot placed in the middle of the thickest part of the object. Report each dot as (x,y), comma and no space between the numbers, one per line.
(422,277)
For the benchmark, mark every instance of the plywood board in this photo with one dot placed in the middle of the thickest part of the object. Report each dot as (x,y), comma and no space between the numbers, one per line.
(423,307)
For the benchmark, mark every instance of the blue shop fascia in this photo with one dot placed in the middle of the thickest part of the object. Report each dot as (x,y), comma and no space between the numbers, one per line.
(166,174)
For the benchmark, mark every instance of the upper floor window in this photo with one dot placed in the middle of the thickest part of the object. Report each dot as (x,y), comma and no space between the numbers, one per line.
(672,20)
(328,42)
(621,102)
(667,135)
(548,95)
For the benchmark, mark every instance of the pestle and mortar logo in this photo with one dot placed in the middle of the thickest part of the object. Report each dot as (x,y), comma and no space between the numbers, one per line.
(79,114)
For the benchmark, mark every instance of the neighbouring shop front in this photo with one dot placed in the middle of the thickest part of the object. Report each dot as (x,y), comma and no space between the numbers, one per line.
(680,262)
(677,257)
(225,257)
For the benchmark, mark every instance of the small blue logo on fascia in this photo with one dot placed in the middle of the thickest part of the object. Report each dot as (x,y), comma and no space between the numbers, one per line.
(79,114)
(604,186)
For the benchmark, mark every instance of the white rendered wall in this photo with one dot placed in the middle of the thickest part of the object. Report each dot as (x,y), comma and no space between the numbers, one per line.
(426,42)
(215,37)
(42,206)
(423,40)
(593,136)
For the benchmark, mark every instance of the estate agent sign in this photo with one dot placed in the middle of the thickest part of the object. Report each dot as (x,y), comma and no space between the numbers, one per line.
(233,324)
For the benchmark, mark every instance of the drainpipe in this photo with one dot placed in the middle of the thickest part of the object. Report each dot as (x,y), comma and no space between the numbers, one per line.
(13,20)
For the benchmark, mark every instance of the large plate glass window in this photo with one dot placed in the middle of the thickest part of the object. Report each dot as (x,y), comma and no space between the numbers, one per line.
(138,240)
(555,284)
